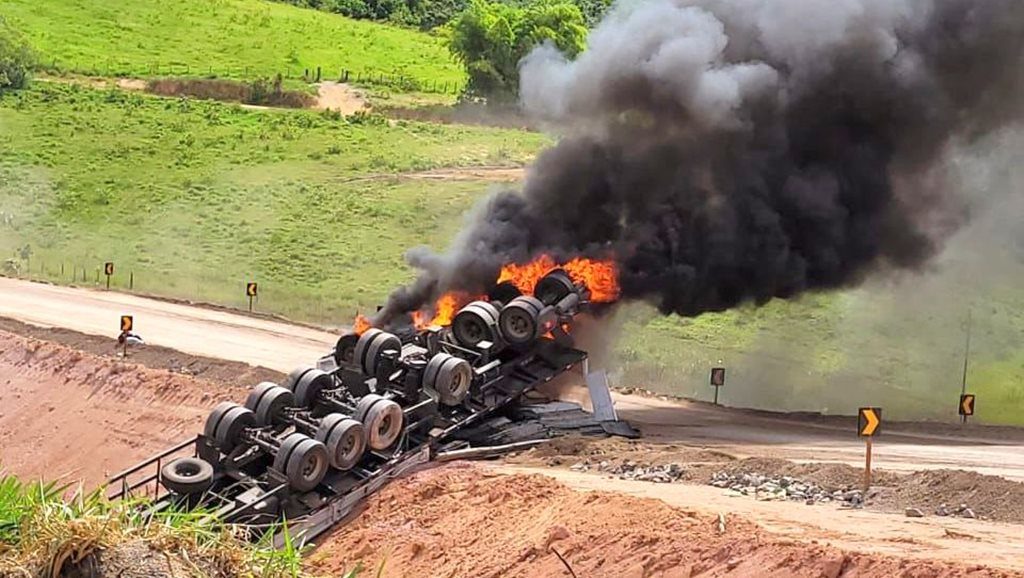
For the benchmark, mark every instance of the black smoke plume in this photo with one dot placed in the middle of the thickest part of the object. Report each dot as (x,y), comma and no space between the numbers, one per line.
(732,150)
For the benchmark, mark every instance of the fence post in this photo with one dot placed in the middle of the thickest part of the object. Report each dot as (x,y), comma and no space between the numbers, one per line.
(131,280)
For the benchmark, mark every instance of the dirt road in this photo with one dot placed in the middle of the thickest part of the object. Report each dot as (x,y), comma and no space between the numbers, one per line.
(195,330)
(281,346)
(993,451)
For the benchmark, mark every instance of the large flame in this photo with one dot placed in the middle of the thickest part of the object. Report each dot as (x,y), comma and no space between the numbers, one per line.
(445,309)
(600,277)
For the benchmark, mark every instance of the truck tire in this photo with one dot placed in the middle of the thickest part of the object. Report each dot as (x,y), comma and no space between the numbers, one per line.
(187,476)
(345,439)
(294,376)
(476,322)
(383,424)
(308,389)
(272,405)
(303,461)
(252,401)
(449,376)
(229,432)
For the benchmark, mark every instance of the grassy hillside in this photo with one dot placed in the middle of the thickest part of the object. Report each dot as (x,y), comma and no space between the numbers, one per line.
(233,38)
(198,197)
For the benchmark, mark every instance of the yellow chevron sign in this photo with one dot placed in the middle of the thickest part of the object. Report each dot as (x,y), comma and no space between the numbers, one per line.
(868,421)
(967,404)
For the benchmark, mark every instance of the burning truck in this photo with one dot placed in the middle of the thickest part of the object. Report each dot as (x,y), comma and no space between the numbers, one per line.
(387,399)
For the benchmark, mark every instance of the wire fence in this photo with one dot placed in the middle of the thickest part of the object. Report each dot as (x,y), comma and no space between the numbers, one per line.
(274,298)
(112,68)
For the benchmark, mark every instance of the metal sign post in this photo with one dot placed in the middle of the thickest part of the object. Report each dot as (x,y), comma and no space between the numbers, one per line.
(127,322)
(717,380)
(251,292)
(869,420)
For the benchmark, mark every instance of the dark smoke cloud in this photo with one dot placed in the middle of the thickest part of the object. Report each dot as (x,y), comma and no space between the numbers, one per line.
(735,150)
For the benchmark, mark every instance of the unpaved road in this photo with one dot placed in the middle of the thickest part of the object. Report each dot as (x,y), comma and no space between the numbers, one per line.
(932,538)
(282,347)
(195,330)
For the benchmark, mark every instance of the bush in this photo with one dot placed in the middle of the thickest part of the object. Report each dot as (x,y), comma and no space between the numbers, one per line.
(490,38)
(16,58)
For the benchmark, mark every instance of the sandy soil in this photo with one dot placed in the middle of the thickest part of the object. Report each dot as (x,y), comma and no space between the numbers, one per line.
(340,97)
(463,520)
(68,414)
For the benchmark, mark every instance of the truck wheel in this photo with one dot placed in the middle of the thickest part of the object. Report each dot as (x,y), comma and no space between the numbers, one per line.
(307,465)
(345,439)
(383,342)
(383,424)
(186,476)
(229,432)
(308,389)
(294,376)
(216,415)
(272,404)
(364,406)
(252,401)
(449,376)
(359,353)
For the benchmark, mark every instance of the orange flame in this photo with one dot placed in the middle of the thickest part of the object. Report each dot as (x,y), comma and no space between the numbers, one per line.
(361,324)
(600,277)
(444,310)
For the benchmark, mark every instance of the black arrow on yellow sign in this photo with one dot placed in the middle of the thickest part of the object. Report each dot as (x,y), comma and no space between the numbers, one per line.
(126,323)
(868,421)
(967,404)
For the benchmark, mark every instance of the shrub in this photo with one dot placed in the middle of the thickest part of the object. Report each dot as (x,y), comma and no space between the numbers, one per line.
(16,58)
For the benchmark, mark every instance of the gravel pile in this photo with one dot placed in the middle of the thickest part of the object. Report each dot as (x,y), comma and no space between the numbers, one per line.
(784,488)
(630,470)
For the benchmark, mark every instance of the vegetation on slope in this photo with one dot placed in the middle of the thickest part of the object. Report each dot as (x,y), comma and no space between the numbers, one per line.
(231,38)
(425,14)
(196,198)
(16,58)
(48,529)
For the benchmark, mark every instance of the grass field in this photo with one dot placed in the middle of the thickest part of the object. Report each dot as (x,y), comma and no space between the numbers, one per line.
(231,38)
(196,198)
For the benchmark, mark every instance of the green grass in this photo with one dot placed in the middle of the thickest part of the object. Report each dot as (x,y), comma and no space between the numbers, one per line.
(46,527)
(231,38)
(196,198)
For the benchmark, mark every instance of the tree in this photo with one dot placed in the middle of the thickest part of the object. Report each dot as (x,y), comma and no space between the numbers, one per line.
(490,38)
(16,58)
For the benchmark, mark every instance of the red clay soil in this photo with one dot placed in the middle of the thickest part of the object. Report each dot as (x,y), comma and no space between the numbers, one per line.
(77,416)
(462,521)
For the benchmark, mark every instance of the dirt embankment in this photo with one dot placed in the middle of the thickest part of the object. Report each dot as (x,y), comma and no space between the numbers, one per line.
(460,520)
(66,413)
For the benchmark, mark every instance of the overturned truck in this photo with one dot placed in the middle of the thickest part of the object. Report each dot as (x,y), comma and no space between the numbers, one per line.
(310,448)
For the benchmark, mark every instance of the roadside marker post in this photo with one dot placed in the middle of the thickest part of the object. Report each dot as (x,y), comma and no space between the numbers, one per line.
(251,291)
(108,270)
(966,408)
(717,380)
(869,421)
(127,322)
